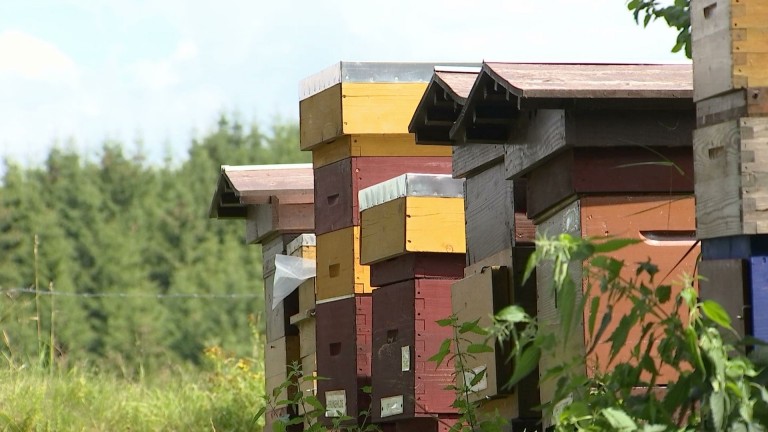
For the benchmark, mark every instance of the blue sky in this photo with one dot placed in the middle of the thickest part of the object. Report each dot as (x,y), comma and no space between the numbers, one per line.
(77,72)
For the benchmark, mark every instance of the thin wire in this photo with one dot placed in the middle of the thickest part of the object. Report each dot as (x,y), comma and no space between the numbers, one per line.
(126,295)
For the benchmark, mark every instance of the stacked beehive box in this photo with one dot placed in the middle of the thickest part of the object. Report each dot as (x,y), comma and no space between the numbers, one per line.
(354,119)
(730,65)
(277,203)
(499,240)
(412,236)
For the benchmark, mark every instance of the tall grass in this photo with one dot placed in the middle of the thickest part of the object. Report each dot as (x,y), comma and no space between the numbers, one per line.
(223,397)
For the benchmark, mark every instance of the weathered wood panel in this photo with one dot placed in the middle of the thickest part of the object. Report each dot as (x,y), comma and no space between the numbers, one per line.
(539,137)
(630,128)
(582,171)
(727,282)
(266,220)
(405,335)
(344,353)
(278,355)
(278,319)
(339,272)
(409,224)
(270,248)
(320,118)
(489,208)
(337,185)
(374,145)
(423,265)
(469,158)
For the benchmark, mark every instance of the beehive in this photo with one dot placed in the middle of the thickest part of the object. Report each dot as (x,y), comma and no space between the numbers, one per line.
(339,272)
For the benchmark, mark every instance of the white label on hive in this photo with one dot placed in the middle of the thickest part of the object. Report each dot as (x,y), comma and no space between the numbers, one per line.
(391,405)
(335,403)
(405,358)
(470,375)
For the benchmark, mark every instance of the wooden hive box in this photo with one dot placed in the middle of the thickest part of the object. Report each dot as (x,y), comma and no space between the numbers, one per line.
(339,273)
(278,356)
(344,355)
(489,286)
(360,98)
(304,246)
(664,225)
(403,215)
(405,334)
(729,46)
(337,185)
(428,265)
(266,220)
(278,322)
(373,145)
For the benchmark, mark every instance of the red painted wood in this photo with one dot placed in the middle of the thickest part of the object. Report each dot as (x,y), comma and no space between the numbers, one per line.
(344,350)
(337,185)
(405,315)
(418,265)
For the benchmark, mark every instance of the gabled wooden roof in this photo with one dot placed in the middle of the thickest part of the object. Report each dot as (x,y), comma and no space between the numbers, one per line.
(503,90)
(441,104)
(240,186)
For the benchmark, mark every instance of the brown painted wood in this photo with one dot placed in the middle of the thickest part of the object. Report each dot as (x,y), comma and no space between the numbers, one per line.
(404,315)
(344,350)
(441,423)
(623,128)
(337,185)
(583,171)
(417,266)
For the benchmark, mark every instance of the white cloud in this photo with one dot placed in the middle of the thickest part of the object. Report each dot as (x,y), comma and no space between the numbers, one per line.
(26,56)
(164,73)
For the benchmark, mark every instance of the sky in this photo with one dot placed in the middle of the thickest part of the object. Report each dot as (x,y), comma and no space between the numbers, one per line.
(74,73)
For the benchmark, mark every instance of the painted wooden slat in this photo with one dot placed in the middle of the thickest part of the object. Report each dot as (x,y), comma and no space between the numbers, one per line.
(489,209)
(374,145)
(408,224)
(726,282)
(468,158)
(759,297)
(265,220)
(405,335)
(339,272)
(337,185)
(541,136)
(422,265)
(320,118)
(344,352)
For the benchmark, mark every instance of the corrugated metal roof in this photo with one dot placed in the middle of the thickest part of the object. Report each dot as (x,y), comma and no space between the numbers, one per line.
(239,186)
(594,80)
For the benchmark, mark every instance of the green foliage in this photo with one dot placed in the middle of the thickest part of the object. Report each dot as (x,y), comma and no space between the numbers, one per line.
(126,247)
(719,387)
(677,15)
(305,408)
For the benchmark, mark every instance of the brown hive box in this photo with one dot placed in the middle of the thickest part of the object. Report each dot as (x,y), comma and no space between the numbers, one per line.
(344,355)
(426,265)
(337,185)
(339,272)
(665,225)
(412,213)
(405,335)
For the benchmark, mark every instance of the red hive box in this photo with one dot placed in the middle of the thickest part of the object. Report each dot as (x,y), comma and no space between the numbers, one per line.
(344,355)
(405,335)
(337,185)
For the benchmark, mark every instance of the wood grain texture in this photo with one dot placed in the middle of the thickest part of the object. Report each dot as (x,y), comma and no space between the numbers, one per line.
(489,213)
(719,109)
(266,220)
(339,272)
(540,136)
(417,266)
(373,145)
(337,185)
(379,107)
(469,158)
(404,315)
(344,351)
(320,118)
(409,224)
(754,174)
(727,282)
(271,247)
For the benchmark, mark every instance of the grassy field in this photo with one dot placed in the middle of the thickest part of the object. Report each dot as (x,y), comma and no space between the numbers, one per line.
(223,397)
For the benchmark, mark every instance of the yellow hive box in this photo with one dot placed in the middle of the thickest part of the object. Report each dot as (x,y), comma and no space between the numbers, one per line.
(339,273)
(412,213)
(374,145)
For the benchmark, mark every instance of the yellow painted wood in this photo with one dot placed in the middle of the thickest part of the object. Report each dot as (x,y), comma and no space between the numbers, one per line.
(379,107)
(373,145)
(412,224)
(320,118)
(339,272)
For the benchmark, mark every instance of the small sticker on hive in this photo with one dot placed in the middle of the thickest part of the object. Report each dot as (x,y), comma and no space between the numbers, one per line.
(335,403)
(391,405)
(481,383)
(405,358)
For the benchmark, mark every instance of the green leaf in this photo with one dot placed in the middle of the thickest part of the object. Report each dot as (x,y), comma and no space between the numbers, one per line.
(513,314)
(663,293)
(479,348)
(619,336)
(716,313)
(312,400)
(472,327)
(445,349)
(614,245)
(524,364)
(530,266)
(618,419)
(717,406)
(445,322)
(593,308)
